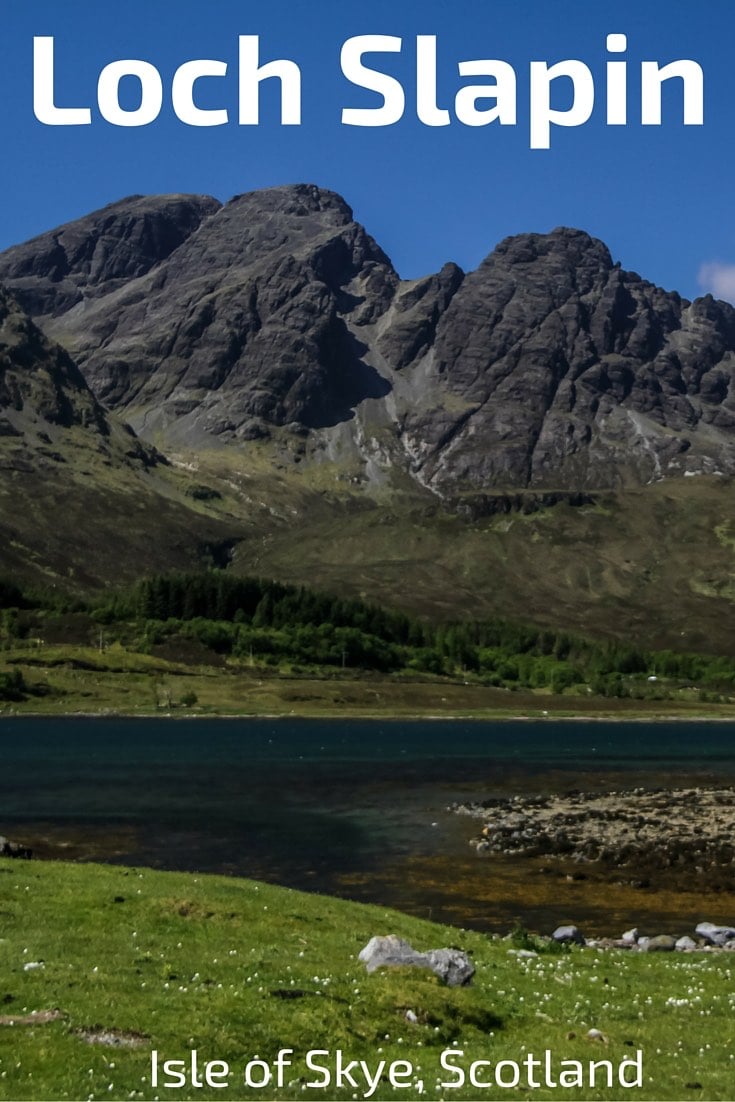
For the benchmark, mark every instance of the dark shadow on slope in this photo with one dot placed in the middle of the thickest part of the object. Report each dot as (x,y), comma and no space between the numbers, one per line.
(349,380)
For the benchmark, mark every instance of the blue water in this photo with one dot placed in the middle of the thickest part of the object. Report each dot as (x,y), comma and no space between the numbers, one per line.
(310,803)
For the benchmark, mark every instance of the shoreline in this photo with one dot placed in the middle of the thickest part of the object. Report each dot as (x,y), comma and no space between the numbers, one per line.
(703,938)
(454,717)
(77,681)
(648,835)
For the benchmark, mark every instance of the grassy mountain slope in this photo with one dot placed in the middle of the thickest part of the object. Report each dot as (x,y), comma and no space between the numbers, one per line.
(653,563)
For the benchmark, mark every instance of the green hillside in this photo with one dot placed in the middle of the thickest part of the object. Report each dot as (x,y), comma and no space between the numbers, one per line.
(100,966)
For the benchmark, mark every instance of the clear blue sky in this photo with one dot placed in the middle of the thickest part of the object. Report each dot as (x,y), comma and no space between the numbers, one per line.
(661,198)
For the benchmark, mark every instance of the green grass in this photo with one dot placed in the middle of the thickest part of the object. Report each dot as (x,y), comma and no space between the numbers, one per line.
(201,962)
(67,679)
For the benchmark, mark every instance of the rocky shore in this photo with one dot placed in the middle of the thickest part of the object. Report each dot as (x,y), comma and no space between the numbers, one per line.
(14,849)
(708,937)
(683,838)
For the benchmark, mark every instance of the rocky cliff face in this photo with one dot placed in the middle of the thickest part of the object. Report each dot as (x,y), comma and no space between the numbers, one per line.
(572,372)
(41,388)
(91,257)
(549,366)
(238,328)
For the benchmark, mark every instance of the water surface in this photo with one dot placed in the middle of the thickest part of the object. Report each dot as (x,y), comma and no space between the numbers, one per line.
(353,807)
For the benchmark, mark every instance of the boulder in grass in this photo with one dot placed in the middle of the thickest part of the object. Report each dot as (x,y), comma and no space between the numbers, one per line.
(450,965)
(715,935)
(686,944)
(662,943)
(569,935)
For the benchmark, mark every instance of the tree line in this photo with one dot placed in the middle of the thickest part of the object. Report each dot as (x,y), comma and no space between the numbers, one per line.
(278,624)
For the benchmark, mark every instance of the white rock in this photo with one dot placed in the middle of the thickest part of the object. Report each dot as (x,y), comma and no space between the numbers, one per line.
(685,944)
(716,935)
(568,933)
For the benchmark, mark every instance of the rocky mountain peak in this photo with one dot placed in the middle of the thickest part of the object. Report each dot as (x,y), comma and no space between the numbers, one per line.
(298,221)
(564,244)
(95,254)
(295,201)
(565,262)
(549,365)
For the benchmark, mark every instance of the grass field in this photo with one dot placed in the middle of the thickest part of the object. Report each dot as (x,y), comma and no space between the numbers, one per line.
(65,679)
(134,961)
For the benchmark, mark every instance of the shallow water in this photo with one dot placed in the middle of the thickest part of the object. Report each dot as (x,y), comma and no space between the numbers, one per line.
(354,807)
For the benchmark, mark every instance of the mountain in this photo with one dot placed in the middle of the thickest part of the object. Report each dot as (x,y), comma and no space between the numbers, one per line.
(519,439)
(549,366)
(238,327)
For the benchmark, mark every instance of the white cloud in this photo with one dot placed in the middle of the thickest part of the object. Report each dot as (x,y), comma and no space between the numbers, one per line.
(719,279)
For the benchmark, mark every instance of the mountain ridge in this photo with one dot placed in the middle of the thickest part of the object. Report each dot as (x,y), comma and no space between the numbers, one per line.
(548,366)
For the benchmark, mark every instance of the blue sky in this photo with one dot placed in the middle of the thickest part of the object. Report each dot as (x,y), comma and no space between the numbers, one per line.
(660,198)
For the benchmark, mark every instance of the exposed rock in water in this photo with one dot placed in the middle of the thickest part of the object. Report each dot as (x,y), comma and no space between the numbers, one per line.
(685,835)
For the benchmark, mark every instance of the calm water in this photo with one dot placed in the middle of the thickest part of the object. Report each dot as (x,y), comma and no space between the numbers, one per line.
(354,807)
